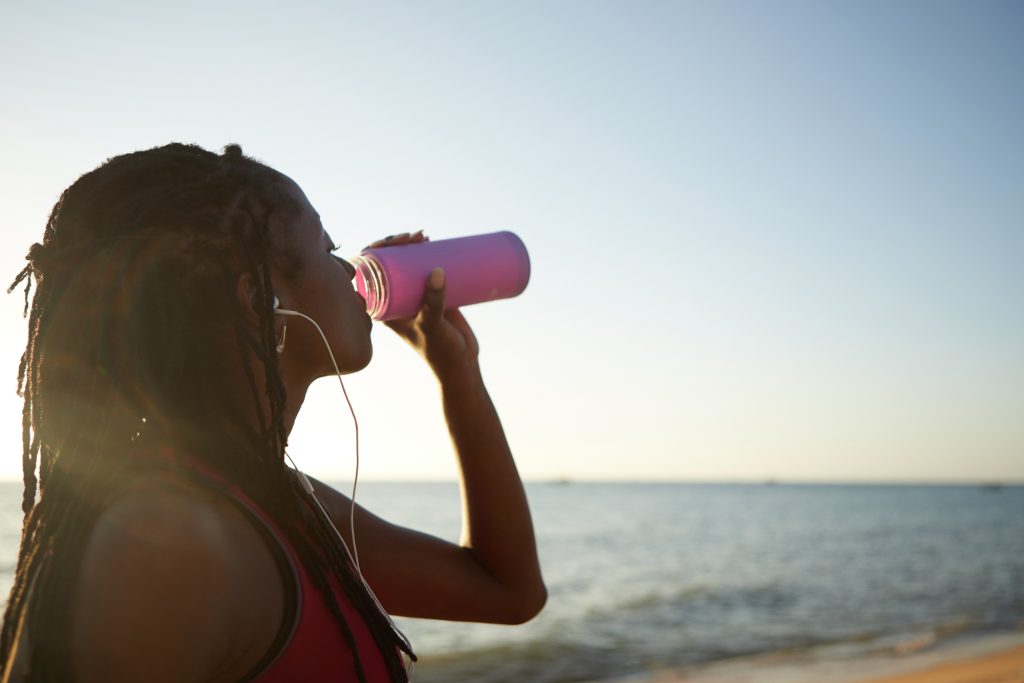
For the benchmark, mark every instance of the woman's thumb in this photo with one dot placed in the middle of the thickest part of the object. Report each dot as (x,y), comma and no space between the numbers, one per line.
(433,298)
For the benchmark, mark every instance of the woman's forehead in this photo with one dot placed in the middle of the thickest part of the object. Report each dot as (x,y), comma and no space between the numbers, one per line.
(307,219)
(309,224)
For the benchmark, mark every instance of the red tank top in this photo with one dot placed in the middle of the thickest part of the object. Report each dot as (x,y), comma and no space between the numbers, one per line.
(310,646)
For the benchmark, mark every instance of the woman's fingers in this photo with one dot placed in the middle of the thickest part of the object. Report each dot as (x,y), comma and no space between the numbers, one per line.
(444,338)
(460,323)
(432,311)
(402,238)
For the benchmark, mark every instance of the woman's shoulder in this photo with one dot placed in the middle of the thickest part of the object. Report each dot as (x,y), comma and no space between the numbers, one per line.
(169,527)
(163,509)
(170,568)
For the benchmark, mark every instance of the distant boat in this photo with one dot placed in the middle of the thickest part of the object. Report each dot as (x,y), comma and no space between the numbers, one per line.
(994,487)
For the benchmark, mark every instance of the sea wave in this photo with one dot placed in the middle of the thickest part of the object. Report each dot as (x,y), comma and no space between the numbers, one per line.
(565,657)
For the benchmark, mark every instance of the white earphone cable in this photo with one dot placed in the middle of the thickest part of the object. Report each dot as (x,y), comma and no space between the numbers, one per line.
(308,486)
(355,479)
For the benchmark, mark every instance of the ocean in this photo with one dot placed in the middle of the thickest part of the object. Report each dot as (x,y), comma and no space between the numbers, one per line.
(647,577)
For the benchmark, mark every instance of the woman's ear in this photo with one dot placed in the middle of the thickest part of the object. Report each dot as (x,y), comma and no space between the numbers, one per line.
(248,297)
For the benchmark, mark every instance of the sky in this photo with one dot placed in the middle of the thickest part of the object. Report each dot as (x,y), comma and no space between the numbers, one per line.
(769,241)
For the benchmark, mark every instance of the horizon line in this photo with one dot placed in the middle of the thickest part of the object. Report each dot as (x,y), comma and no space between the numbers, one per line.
(771,481)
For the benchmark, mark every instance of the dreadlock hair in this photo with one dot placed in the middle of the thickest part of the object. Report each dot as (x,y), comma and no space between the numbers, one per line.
(133,314)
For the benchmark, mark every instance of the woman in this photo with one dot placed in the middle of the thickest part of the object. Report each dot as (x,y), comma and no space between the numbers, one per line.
(165,538)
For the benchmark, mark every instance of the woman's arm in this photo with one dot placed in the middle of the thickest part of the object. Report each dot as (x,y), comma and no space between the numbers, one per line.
(493,574)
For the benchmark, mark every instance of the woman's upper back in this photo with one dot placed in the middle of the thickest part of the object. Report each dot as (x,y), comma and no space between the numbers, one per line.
(197,583)
(175,584)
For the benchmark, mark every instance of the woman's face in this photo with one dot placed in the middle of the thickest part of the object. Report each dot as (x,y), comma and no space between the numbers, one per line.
(319,284)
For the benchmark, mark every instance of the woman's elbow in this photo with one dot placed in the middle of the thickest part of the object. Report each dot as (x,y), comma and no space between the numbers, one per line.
(527,604)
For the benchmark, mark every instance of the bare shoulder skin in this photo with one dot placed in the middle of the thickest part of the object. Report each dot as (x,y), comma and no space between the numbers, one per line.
(175,585)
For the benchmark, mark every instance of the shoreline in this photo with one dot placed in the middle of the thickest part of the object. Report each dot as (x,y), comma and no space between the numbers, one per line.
(1004,666)
(993,658)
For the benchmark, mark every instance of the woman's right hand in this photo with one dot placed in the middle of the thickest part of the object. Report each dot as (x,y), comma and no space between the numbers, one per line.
(443,338)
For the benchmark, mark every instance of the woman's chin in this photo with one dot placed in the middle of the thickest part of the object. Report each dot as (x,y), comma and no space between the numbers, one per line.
(355,363)
(368,356)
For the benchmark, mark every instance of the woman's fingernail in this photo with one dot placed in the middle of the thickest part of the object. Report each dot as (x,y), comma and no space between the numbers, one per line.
(437,278)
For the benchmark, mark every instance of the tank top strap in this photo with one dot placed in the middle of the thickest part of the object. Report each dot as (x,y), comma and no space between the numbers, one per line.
(284,557)
(310,645)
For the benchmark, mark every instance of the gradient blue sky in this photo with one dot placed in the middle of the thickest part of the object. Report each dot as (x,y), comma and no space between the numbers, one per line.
(769,240)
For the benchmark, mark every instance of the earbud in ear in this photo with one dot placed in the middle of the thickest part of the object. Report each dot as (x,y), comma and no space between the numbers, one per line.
(284,311)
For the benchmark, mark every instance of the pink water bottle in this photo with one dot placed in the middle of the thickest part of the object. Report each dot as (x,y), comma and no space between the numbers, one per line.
(478,268)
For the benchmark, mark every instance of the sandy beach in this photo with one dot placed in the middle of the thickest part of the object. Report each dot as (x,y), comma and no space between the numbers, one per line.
(1006,666)
(991,659)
